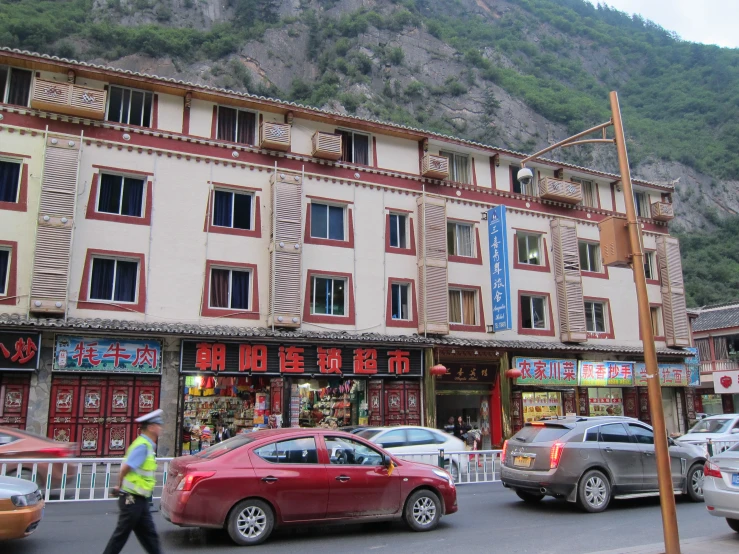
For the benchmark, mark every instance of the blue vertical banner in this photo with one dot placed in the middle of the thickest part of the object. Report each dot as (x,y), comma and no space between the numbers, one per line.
(499,272)
(694,368)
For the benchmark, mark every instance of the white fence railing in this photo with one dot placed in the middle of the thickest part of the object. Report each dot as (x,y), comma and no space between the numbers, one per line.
(466,466)
(712,447)
(75,479)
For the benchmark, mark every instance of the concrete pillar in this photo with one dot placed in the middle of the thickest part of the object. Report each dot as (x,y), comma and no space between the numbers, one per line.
(40,390)
(169,395)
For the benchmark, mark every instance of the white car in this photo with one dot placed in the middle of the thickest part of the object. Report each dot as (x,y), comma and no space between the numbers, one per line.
(719,428)
(721,486)
(405,440)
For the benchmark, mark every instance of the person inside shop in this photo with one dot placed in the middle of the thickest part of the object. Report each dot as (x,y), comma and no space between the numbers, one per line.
(449,427)
(461,428)
(221,433)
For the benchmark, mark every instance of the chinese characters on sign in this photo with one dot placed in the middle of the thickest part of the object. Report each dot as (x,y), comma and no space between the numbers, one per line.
(535,371)
(694,368)
(499,273)
(670,375)
(104,354)
(606,374)
(469,374)
(19,351)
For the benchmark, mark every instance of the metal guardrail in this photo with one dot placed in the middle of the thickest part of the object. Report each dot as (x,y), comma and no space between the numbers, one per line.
(712,447)
(465,466)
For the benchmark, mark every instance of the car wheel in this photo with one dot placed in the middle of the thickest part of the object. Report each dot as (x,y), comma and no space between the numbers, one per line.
(422,511)
(250,522)
(594,491)
(695,483)
(529,497)
(733,523)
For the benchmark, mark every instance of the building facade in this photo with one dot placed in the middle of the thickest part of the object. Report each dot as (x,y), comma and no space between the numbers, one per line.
(243,260)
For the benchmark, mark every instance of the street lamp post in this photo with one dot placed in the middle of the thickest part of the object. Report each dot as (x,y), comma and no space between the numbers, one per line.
(664,474)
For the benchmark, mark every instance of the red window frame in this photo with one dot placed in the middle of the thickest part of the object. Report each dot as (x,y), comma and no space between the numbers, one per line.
(401,323)
(595,274)
(546,268)
(480,327)
(208,227)
(551,332)
(92,200)
(22,204)
(411,249)
(349,319)
(205,308)
(611,332)
(83,303)
(349,242)
(10,298)
(477,258)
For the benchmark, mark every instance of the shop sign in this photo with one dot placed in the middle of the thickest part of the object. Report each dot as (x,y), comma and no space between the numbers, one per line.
(694,368)
(79,354)
(670,375)
(233,358)
(726,382)
(606,374)
(499,272)
(468,374)
(537,371)
(19,351)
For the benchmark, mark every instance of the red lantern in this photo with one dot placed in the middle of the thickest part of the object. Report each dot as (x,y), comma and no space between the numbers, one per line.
(438,370)
(513,373)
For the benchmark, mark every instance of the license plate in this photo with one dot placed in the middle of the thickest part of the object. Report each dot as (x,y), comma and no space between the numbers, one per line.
(522,461)
(735,479)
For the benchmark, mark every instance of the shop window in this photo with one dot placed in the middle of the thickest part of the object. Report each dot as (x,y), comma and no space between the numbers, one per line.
(327,222)
(533,312)
(459,166)
(650,265)
(328,296)
(606,402)
(400,301)
(398,231)
(595,317)
(655,313)
(589,194)
(354,147)
(129,106)
(236,125)
(15,86)
(462,307)
(4,271)
(121,195)
(113,280)
(295,451)
(232,209)
(529,249)
(459,239)
(230,289)
(590,257)
(641,434)
(345,451)
(10,180)
(614,432)
(641,200)
(538,405)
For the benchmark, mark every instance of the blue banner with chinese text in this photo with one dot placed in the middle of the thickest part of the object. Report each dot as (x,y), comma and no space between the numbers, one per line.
(499,272)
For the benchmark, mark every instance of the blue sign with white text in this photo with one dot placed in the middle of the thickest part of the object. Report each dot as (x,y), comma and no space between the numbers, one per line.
(499,273)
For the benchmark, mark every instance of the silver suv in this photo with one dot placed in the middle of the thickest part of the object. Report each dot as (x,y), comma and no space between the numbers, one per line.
(590,460)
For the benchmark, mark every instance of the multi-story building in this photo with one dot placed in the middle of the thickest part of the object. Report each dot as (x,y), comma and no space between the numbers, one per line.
(234,258)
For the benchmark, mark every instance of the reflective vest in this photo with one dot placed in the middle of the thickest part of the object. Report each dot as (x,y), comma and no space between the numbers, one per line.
(141,481)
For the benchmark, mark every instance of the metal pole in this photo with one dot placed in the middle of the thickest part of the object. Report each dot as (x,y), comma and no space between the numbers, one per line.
(664,475)
(565,142)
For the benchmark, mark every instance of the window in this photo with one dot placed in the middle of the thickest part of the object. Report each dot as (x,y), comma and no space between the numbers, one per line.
(354,147)
(655,313)
(121,195)
(226,446)
(533,312)
(399,302)
(295,451)
(462,307)
(641,199)
(345,451)
(459,166)
(650,265)
(236,125)
(398,225)
(393,439)
(459,239)
(328,296)
(590,257)
(7,439)
(4,271)
(326,222)
(129,106)
(113,280)
(589,192)
(230,289)
(15,86)
(10,178)
(641,434)
(529,249)
(232,209)
(521,188)
(421,437)
(595,317)
(614,432)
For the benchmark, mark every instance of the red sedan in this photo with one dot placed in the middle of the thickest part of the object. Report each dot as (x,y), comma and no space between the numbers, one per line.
(254,482)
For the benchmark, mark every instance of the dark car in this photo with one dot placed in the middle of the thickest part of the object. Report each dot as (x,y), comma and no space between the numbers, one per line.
(590,460)
(254,482)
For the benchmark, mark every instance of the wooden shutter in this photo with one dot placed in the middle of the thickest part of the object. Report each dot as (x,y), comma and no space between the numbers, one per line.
(677,328)
(286,250)
(433,295)
(570,305)
(55,222)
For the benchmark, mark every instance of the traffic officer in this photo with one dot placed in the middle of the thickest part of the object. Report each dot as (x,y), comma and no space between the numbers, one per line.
(135,488)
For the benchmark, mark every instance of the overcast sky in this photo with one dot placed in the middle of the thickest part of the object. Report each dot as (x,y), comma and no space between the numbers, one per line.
(706,21)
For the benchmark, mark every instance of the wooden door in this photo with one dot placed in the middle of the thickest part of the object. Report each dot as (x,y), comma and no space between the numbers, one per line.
(644,414)
(146,400)
(14,400)
(413,403)
(375,403)
(119,416)
(395,403)
(516,411)
(63,409)
(631,403)
(91,415)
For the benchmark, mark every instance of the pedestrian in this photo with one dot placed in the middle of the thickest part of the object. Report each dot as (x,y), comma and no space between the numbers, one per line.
(449,427)
(460,428)
(136,486)
(221,433)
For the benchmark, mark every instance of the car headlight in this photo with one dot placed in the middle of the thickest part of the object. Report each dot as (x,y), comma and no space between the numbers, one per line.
(23,500)
(444,475)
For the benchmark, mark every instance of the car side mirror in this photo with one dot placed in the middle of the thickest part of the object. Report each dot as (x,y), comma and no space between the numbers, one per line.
(387,460)
(671,441)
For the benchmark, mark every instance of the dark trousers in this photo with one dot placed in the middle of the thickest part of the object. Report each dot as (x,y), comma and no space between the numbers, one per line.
(134,516)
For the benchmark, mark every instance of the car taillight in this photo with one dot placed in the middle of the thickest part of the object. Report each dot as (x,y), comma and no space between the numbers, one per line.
(555,454)
(191,479)
(505,451)
(56,452)
(711,470)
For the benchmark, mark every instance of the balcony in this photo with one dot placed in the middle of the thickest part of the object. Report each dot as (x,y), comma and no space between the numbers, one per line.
(662,211)
(68,99)
(436,167)
(274,136)
(326,146)
(719,365)
(560,191)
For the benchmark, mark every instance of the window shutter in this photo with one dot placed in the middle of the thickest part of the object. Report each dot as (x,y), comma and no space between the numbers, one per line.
(433,298)
(54,235)
(677,328)
(570,305)
(285,250)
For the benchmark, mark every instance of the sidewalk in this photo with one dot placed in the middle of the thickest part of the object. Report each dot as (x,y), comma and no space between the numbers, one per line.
(724,544)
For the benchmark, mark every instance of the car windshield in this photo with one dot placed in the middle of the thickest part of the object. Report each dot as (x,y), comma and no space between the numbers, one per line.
(368,433)
(711,426)
(226,446)
(540,433)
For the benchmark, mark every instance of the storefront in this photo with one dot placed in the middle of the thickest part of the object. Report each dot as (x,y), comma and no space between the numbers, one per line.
(19,358)
(246,386)
(99,386)
(608,387)
(726,385)
(674,379)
